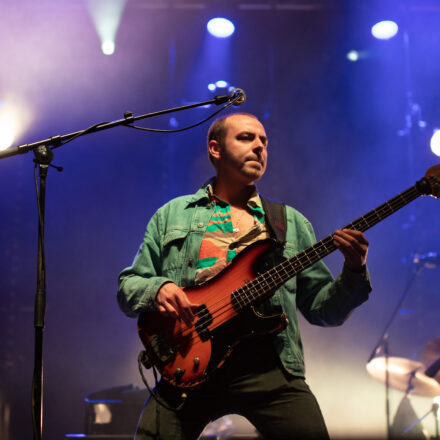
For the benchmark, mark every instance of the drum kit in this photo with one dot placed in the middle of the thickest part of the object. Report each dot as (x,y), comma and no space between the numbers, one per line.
(412,377)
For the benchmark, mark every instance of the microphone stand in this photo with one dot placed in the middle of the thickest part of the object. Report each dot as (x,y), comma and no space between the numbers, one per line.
(43,151)
(58,141)
(383,343)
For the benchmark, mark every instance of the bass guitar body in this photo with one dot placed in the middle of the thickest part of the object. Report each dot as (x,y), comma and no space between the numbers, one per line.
(185,356)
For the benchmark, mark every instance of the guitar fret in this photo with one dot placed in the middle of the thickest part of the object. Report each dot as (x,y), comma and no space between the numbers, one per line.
(239,297)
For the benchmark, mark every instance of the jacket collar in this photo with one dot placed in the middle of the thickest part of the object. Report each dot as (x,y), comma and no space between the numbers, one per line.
(203,193)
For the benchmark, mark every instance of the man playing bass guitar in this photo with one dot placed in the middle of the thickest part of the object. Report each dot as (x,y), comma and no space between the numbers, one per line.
(214,363)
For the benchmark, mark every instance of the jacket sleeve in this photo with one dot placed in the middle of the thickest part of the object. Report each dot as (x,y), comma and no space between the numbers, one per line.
(322,300)
(139,283)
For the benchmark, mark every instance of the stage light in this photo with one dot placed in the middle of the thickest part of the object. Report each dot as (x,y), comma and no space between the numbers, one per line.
(6,132)
(212,87)
(353,55)
(173,122)
(108,47)
(106,16)
(435,142)
(15,117)
(220,27)
(221,84)
(384,30)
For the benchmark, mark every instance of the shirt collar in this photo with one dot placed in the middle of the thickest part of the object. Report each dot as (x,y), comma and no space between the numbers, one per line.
(205,193)
(253,203)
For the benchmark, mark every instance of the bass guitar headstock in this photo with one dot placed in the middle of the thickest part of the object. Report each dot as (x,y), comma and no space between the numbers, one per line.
(432,177)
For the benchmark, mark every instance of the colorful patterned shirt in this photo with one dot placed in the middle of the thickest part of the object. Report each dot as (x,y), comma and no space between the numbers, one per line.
(221,241)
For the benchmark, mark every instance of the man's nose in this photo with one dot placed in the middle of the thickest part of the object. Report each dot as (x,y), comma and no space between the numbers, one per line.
(258,147)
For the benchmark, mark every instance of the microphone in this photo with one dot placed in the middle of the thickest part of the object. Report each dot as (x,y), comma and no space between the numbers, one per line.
(429,260)
(236,97)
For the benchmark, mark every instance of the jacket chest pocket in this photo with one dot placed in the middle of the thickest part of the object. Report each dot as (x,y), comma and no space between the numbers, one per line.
(174,248)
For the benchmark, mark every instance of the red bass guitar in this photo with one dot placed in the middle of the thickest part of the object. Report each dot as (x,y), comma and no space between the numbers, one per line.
(185,356)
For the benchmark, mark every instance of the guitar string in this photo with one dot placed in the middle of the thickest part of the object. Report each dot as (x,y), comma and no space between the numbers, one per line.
(318,253)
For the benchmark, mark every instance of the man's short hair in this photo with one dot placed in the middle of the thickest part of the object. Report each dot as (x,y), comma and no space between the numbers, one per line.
(217,131)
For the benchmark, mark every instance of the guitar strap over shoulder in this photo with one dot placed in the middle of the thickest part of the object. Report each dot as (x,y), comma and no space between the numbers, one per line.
(276,218)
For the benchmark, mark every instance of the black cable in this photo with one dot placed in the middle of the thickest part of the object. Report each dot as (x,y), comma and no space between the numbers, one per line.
(141,357)
(82,133)
(177,130)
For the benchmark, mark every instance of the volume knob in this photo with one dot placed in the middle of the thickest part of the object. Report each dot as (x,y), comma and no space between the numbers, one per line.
(178,373)
(196,363)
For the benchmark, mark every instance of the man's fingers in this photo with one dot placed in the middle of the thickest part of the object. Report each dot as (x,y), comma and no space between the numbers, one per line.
(358,235)
(343,246)
(194,307)
(353,241)
(168,310)
(184,308)
(353,245)
(172,301)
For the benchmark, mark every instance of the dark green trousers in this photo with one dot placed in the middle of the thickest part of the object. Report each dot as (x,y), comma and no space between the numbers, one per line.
(251,383)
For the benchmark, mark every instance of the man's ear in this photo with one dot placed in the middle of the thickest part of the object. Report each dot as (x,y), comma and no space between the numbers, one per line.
(214,149)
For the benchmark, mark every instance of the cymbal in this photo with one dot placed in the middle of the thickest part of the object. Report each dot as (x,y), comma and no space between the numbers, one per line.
(400,372)
(431,352)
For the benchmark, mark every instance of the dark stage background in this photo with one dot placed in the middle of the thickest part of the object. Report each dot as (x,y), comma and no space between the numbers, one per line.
(334,154)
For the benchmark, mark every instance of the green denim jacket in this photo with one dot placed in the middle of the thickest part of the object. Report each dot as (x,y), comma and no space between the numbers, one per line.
(170,250)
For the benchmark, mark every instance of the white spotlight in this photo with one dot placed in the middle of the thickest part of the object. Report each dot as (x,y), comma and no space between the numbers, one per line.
(106,16)
(353,55)
(220,27)
(384,30)
(435,142)
(108,47)
(6,135)
(15,117)
(221,84)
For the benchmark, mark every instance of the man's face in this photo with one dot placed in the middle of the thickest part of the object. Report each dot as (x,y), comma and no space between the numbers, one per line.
(243,156)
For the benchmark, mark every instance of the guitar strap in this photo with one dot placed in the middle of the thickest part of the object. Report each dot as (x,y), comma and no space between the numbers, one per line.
(276,218)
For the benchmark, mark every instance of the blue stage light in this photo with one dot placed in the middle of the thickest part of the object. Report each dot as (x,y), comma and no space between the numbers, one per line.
(220,27)
(212,87)
(384,30)
(435,142)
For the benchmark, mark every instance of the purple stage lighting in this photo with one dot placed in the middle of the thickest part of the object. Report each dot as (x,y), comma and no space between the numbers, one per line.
(435,142)
(220,27)
(384,30)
